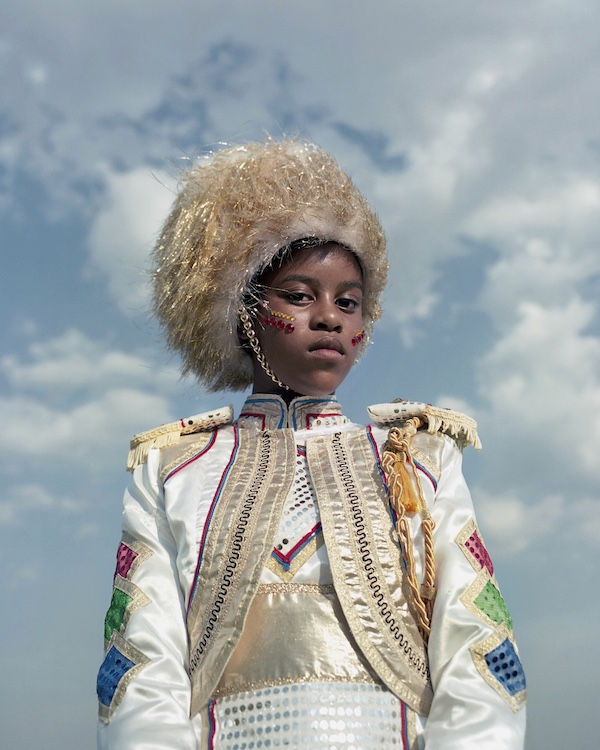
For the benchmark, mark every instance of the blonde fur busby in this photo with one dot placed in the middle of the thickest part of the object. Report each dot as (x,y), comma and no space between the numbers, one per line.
(233,213)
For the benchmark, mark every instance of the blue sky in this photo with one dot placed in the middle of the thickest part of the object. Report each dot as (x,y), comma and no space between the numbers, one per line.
(472,128)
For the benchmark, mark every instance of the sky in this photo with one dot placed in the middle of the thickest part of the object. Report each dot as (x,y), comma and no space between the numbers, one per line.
(474,130)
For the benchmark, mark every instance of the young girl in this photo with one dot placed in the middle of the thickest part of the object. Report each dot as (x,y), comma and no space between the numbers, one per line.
(288,578)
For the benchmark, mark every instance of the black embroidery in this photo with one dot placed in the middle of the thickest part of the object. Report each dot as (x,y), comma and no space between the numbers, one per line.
(366,556)
(235,551)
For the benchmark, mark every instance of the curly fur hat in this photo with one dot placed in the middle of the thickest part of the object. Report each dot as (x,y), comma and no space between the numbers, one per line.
(231,217)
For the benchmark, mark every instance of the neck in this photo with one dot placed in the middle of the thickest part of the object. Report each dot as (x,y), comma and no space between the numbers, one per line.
(288,396)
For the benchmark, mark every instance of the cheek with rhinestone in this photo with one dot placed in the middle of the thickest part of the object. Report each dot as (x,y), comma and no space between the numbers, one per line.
(358,337)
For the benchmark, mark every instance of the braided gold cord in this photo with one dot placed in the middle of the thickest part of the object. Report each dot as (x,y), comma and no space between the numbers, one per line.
(255,344)
(402,494)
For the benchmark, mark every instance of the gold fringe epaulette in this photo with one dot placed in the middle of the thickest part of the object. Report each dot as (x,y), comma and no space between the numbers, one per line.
(459,426)
(170,434)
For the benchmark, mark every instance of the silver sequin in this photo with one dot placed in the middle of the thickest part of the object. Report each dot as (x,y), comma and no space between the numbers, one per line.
(314,715)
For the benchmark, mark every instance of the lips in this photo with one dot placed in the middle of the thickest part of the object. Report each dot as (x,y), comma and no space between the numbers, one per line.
(327,343)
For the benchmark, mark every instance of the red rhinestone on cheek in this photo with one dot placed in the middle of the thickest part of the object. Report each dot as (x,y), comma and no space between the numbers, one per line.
(273,322)
(280,324)
(289,328)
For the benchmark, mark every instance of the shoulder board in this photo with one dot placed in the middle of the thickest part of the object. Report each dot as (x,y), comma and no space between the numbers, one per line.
(459,426)
(170,434)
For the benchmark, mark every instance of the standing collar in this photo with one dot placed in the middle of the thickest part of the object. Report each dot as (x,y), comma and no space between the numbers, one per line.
(270,412)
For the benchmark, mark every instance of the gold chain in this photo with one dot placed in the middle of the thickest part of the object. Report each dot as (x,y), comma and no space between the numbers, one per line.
(255,344)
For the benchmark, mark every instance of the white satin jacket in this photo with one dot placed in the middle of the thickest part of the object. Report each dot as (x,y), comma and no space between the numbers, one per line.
(233,577)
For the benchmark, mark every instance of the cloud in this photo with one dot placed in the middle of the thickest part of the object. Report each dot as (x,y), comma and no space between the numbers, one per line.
(124,230)
(73,363)
(27,498)
(74,399)
(92,431)
(541,385)
(512,524)
(547,240)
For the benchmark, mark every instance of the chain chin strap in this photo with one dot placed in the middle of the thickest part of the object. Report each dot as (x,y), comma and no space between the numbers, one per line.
(395,461)
(250,334)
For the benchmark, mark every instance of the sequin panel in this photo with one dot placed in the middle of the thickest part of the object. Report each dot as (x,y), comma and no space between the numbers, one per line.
(114,667)
(491,603)
(300,512)
(477,548)
(125,559)
(506,667)
(116,612)
(316,715)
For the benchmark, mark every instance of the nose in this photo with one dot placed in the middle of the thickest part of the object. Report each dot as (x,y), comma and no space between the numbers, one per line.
(327,317)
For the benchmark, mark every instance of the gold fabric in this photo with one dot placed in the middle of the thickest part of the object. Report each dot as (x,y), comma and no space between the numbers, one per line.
(365,563)
(294,632)
(427,450)
(236,633)
(241,535)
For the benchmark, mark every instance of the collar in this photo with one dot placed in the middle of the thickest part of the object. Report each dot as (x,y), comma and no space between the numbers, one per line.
(270,412)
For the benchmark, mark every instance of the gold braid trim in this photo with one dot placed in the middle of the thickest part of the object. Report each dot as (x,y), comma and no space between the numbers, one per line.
(405,499)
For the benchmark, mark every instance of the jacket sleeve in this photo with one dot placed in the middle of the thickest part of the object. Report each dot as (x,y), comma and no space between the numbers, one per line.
(143,684)
(478,680)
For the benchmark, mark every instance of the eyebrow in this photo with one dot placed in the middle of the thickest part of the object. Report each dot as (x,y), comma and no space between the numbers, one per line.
(315,280)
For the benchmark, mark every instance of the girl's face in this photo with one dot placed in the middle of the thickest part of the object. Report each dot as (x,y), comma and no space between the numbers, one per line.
(322,288)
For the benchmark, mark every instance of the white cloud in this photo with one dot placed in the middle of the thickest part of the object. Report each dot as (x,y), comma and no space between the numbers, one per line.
(91,432)
(124,230)
(512,524)
(27,498)
(548,239)
(75,399)
(541,382)
(73,363)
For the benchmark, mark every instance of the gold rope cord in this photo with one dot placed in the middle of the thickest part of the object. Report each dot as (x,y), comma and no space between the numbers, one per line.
(396,456)
(255,344)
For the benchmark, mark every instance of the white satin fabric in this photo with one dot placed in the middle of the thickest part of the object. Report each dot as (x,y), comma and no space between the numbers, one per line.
(467,714)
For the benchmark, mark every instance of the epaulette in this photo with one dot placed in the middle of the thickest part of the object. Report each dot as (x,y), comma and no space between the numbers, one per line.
(459,426)
(170,434)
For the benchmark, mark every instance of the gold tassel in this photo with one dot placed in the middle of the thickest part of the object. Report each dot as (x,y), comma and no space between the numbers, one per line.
(406,496)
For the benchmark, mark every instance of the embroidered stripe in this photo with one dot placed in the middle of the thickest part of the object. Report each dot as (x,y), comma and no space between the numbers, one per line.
(354,512)
(195,454)
(404,726)
(238,538)
(285,560)
(212,724)
(366,554)
(428,474)
(235,548)
(211,513)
